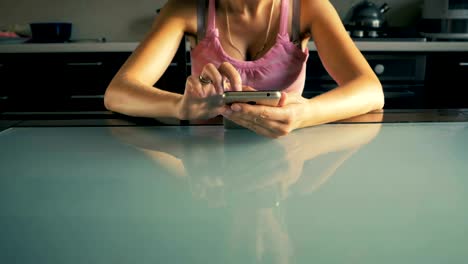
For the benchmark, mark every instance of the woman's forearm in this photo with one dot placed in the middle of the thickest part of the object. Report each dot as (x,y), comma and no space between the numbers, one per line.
(134,99)
(357,97)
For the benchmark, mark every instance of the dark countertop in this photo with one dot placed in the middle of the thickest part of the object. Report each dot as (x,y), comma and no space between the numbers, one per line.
(38,119)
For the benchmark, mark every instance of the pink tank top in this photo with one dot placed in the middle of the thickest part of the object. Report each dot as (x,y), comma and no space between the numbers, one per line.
(282,67)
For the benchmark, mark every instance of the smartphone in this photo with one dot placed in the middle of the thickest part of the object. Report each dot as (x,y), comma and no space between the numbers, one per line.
(269,98)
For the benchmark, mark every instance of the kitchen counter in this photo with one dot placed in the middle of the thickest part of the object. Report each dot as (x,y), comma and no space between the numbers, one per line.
(68,47)
(391,46)
(386,187)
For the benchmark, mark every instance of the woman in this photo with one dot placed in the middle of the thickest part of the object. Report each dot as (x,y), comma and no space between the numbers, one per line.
(254,45)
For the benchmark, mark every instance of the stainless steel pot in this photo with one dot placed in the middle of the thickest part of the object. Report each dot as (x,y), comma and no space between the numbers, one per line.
(367,15)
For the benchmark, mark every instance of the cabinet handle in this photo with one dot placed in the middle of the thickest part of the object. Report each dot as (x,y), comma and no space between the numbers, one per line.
(99,96)
(463,64)
(99,63)
(173,64)
(398,94)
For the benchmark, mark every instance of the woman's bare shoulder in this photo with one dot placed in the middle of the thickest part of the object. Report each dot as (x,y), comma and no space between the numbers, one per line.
(311,7)
(316,10)
(185,10)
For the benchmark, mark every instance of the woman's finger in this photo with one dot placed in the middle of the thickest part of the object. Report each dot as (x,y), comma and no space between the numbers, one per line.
(226,69)
(193,87)
(260,123)
(283,99)
(211,73)
(248,88)
(252,125)
(279,114)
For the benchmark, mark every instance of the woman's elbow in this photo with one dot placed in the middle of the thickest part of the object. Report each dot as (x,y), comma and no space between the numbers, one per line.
(111,98)
(377,95)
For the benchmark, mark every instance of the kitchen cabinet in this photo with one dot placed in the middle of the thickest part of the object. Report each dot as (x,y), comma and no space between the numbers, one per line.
(74,78)
(4,82)
(69,81)
(30,80)
(446,80)
(401,74)
(56,81)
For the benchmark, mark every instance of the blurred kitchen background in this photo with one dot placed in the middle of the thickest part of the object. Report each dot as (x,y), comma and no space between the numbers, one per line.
(128,21)
(417,48)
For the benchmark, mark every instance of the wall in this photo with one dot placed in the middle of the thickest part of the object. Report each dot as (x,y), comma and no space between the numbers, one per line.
(128,20)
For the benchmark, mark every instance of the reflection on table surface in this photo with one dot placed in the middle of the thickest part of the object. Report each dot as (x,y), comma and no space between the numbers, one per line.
(359,193)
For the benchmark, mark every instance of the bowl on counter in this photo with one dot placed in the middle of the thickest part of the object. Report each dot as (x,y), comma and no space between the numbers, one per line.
(50,32)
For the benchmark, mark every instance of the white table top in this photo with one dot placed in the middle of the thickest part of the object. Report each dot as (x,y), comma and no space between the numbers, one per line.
(338,193)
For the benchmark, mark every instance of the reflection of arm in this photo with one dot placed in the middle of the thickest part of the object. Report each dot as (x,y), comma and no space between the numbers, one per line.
(162,150)
(313,183)
(316,141)
(172,164)
(149,138)
(172,148)
(311,142)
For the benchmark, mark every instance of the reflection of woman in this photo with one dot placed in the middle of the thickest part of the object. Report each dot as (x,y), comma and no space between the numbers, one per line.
(249,175)
(260,45)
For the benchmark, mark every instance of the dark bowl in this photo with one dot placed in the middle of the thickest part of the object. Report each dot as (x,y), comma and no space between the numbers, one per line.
(50,32)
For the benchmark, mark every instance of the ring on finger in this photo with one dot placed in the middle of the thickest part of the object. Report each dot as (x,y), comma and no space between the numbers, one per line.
(204,80)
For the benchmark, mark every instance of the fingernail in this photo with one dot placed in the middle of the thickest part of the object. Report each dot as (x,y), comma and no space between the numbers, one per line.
(236,107)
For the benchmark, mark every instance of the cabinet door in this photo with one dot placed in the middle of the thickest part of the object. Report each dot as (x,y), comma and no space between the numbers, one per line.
(73,81)
(87,76)
(33,82)
(446,80)
(6,81)
(175,76)
(401,75)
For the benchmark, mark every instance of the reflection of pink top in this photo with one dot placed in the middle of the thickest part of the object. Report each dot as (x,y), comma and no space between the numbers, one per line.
(281,68)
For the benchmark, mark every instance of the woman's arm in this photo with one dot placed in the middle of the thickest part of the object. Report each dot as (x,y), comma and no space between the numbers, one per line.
(359,90)
(131,91)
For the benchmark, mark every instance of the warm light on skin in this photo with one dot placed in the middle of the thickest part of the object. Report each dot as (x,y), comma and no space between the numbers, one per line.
(358,90)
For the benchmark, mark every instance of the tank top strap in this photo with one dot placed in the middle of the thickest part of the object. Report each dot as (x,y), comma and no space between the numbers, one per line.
(295,24)
(284,15)
(201,17)
(211,16)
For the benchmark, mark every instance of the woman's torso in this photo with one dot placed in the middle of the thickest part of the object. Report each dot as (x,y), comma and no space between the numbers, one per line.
(281,67)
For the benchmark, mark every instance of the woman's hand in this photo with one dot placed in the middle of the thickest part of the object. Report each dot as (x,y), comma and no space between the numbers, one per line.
(202,98)
(270,121)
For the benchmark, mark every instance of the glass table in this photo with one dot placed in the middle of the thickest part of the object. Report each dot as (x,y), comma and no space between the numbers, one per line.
(113,191)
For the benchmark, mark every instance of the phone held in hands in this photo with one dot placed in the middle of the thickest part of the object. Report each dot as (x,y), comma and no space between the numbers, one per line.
(269,98)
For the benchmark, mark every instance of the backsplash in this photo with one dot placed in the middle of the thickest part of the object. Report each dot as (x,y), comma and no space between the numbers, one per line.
(123,20)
